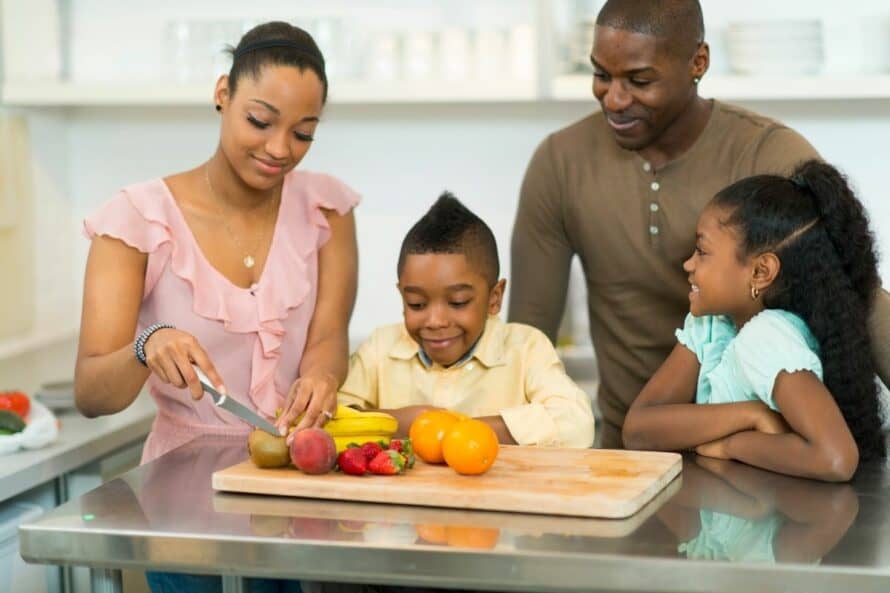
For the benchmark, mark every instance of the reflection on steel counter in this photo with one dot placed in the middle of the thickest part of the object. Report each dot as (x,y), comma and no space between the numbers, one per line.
(769,533)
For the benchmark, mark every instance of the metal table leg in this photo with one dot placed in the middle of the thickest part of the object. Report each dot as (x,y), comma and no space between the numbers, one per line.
(106,580)
(233,584)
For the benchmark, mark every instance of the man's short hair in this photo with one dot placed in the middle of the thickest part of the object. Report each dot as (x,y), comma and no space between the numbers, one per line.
(677,22)
(450,227)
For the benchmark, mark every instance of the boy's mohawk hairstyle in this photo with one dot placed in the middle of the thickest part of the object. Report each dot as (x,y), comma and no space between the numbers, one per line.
(450,227)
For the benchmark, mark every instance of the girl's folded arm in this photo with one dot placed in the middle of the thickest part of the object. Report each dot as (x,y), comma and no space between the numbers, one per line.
(821,445)
(665,416)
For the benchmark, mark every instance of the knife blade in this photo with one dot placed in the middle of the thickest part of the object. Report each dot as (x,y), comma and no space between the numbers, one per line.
(235,407)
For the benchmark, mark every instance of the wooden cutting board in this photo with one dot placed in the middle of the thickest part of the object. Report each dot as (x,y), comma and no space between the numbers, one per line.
(263,509)
(578,482)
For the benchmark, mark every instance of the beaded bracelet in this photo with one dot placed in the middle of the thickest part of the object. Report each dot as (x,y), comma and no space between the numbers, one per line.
(139,344)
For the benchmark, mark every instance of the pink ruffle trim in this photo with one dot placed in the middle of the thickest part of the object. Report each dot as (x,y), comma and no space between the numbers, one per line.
(301,230)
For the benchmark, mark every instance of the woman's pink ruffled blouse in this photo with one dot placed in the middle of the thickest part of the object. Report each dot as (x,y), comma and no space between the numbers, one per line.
(254,336)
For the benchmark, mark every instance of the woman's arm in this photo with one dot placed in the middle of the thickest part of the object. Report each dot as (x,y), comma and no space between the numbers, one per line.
(107,376)
(820,446)
(325,358)
(664,417)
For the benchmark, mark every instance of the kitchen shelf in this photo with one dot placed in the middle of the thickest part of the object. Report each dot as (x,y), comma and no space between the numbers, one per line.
(575,87)
(60,94)
(578,87)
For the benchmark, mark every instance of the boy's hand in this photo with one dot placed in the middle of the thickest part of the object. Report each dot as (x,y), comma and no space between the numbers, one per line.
(406,417)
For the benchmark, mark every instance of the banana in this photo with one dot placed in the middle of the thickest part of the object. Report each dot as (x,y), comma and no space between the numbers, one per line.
(356,426)
(380,424)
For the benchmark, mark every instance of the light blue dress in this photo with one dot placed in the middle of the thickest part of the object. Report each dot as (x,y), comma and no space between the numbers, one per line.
(728,537)
(743,366)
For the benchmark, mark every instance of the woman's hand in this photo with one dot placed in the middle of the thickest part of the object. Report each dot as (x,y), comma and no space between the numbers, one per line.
(316,395)
(170,354)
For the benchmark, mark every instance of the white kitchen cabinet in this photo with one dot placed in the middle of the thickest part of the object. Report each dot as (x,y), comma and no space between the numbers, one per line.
(15,574)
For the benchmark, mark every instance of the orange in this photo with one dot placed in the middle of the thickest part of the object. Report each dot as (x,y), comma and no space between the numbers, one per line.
(432,533)
(427,431)
(461,536)
(470,447)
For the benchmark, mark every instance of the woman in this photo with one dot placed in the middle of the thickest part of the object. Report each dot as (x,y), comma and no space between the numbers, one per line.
(241,266)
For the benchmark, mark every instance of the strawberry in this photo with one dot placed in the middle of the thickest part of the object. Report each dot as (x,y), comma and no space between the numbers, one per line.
(371,449)
(404,447)
(387,463)
(352,462)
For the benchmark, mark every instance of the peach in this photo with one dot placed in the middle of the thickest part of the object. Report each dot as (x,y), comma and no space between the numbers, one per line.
(313,451)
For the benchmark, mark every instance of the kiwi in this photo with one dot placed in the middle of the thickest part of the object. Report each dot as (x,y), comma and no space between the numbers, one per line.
(267,450)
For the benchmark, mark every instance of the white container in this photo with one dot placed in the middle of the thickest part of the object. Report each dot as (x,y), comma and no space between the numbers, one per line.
(419,55)
(384,63)
(454,54)
(490,54)
(30,40)
(13,569)
(522,54)
(775,47)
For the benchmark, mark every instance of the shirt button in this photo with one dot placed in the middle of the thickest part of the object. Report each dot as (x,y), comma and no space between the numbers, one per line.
(653,230)
(655,186)
(469,366)
(647,167)
(653,207)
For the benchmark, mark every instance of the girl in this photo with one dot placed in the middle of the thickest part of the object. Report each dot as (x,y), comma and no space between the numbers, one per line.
(782,281)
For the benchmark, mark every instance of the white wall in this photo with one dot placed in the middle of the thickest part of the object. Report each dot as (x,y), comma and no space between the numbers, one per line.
(400,157)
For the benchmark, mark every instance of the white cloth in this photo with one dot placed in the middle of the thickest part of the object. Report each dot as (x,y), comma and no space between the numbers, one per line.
(42,428)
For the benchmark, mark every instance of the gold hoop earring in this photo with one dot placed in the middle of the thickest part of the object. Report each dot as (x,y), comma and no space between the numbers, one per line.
(755,292)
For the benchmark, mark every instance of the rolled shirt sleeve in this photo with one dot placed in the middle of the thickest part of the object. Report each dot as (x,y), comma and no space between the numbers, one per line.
(558,412)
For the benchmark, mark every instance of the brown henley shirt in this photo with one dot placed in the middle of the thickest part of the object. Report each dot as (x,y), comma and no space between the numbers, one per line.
(632,227)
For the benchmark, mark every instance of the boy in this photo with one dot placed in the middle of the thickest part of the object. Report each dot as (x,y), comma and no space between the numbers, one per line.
(452,350)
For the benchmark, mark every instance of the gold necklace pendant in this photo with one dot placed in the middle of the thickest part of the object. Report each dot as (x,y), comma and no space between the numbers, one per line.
(248,260)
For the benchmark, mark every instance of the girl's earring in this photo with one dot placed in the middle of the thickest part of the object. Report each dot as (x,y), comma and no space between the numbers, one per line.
(755,292)
(696,80)
(218,107)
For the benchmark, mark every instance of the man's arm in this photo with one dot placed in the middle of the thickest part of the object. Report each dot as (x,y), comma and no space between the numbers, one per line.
(540,250)
(781,151)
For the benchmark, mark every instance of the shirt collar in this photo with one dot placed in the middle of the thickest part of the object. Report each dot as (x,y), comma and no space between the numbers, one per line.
(489,348)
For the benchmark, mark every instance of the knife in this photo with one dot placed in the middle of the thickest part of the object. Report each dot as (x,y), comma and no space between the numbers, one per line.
(235,407)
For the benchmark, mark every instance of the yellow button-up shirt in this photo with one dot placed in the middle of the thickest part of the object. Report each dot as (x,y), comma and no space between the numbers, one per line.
(513,371)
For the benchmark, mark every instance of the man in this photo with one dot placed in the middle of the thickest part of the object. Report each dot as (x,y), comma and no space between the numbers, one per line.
(623,188)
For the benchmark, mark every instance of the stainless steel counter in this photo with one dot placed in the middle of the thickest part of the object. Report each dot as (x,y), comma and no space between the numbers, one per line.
(81,440)
(722,527)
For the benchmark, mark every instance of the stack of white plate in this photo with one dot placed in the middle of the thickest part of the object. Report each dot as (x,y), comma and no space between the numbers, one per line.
(57,396)
(775,47)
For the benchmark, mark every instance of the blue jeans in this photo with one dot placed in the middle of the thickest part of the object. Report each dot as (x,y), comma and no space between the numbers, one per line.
(174,582)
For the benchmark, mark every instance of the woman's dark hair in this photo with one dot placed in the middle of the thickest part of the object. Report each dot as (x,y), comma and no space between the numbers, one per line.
(828,276)
(280,44)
